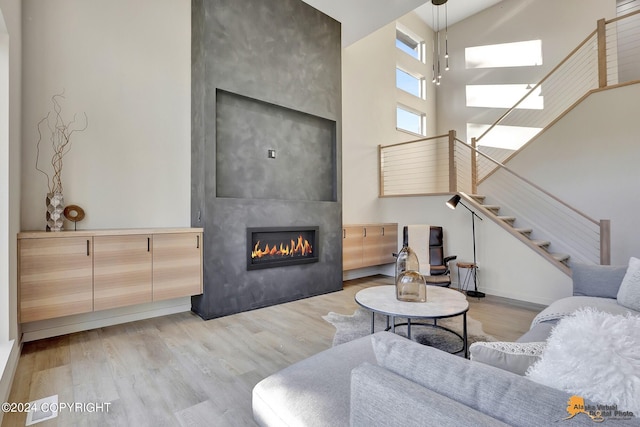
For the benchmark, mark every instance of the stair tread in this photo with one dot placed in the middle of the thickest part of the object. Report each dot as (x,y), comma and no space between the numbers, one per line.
(507,218)
(541,242)
(560,257)
(524,230)
(491,207)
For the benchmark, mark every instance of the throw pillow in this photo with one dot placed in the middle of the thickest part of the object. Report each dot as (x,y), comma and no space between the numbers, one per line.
(511,356)
(629,293)
(597,280)
(596,356)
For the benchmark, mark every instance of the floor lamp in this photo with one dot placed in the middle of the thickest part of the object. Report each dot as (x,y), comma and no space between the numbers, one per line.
(453,203)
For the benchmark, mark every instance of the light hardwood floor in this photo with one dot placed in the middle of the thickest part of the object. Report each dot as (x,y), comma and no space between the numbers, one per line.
(180,370)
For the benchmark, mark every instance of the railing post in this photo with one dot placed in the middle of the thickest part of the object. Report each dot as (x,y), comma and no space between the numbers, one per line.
(602,53)
(605,242)
(380,173)
(453,172)
(474,167)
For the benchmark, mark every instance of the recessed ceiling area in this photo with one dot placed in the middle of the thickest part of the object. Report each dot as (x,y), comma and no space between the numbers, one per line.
(360,18)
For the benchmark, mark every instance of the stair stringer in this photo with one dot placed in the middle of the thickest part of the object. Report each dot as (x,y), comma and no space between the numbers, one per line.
(489,213)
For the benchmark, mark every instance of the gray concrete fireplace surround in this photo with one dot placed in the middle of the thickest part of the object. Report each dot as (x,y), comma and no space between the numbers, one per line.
(266,144)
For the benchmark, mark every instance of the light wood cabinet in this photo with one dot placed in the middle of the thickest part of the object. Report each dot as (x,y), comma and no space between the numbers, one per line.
(368,245)
(121,271)
(73,272)
(352,239)
(56,277)
(177,265)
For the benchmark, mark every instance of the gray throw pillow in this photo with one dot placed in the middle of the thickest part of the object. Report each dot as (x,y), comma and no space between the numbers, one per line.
(597,280)
(510,356)
(629,293)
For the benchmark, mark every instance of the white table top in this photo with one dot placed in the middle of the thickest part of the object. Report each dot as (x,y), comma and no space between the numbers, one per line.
(441,302)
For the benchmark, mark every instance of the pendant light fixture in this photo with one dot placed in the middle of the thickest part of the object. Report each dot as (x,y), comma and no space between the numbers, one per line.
(437,66)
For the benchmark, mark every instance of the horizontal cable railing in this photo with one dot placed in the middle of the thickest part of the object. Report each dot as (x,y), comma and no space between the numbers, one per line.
(609,56)
(415,167)
(623,48)
(569,230)
(445,164)
(560,89)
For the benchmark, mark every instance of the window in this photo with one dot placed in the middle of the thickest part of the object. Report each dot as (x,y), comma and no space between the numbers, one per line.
(410,45)
(518,54)
(504,96)
(410,120)
(410,83)
(504,137)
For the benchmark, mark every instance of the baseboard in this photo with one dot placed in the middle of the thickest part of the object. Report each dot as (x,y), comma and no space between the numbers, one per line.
(83,322)
(9,356)
(387,270)
(532,299)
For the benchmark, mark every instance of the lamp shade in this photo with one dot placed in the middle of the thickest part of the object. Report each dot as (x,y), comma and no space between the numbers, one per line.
(453,202)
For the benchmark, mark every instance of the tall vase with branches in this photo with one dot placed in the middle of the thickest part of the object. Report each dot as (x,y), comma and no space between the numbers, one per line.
(60,132)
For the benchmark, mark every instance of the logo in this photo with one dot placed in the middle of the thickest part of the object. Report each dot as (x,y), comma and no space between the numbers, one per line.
(597,413)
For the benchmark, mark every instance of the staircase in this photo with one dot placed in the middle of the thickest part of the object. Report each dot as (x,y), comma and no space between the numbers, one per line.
(524,234)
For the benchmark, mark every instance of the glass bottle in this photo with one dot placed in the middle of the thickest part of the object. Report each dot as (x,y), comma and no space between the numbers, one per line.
(407,260)
(410,284)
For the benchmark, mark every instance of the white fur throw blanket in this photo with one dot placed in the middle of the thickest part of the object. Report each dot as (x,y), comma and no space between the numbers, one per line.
(596,356)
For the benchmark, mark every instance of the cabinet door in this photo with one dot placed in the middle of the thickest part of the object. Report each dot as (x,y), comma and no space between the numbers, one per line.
(389,244)
(177,265)
(352,247)
(122,270)
(55,276)
(373,245)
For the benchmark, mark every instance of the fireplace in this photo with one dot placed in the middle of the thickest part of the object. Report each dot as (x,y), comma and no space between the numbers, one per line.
(269,247)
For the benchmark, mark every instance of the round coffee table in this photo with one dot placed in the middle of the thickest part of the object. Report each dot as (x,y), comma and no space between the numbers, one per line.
(441,303)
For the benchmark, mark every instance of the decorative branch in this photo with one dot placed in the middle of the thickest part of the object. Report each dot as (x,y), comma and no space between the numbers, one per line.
(61,133)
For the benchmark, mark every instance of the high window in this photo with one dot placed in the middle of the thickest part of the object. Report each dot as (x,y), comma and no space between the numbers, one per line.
(410,45)
(518,54)
(410,120)
(410,83)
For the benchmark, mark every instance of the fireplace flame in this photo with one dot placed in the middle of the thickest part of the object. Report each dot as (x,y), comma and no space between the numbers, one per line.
(301,247)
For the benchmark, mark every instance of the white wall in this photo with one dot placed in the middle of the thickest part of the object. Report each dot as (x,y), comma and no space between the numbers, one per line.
(590,160)
(369,110)
(10,86)
(127,65)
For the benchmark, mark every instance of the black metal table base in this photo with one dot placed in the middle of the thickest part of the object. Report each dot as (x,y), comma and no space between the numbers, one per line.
(391,326)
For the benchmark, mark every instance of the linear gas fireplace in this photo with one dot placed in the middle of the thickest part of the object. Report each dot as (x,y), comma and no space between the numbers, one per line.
(269,247)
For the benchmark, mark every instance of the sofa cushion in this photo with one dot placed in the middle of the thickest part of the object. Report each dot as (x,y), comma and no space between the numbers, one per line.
(538,333)
(381,398)
(597,280)
(314,391)
(567,306)
(510,356)
(629,293)
(594,355)
(508,397)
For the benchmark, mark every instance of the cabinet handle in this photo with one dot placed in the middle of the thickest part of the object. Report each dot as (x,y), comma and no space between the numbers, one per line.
(148,244)
(88,244)
(344,233)
(365,232)
(198,241)
(382,231)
